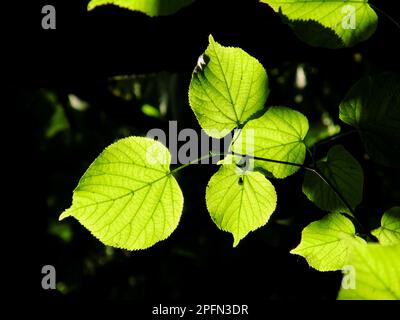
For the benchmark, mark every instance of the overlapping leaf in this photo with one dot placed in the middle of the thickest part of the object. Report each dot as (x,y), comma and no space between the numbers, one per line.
(240,201)
(326,244)
(377,273)
(389,231)
(128,198)
(328,23)
(373,107)
(278,135)
(228,86)
(344,173)
(150,7)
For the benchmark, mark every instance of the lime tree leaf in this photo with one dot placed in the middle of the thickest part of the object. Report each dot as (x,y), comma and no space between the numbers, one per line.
(377,273)
(278,135)
(389,232)
(372,106)
(328,23)
(150,7)
(326,244)
(228,86)
(345,174)
(128,197)
(240,201)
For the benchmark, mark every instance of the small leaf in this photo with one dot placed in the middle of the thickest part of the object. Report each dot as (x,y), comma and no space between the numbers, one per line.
(326,244)
(228,86)
(128,197)
(344,173)
(389,232)
(377,273)
(328,23)
(240,201)
(373,107)
(277,135)
(151,111)
(150,7)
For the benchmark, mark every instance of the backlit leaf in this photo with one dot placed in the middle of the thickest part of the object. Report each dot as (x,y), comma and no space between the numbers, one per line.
(328,23)
(377,273)
(326,244)
(240,201)
(389,231)
(278,135)
(150,7)
(128,197)
(228,86)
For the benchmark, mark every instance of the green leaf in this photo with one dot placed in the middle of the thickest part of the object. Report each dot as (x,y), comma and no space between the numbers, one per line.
(377,273)
(151,111)
(344,173)
(389,232)
(328,23)
(128,197)
(326,244)
(372,106)
(240,201)
(277,135)
(228,86)
(150,7)
(321,130)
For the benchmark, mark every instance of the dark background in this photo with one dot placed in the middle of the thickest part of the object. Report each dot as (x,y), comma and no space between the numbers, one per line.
(197,263)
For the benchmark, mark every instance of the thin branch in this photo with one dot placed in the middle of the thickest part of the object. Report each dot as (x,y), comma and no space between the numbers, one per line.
(333,138)
(270,160)
(196,161)
(351,216)
(386,15)
(305,167)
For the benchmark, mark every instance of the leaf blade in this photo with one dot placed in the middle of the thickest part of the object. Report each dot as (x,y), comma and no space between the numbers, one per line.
(326,244)
(278,135)
(228,86)
(372,106)
(345,174)
(377,273)
(128,198)
(152,8)
(328,23)
(230,196)
(389,231)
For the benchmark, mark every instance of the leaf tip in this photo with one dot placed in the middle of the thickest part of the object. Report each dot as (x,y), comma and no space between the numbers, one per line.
(236,239)
(91,6)
(295,251)
(64,215)
(211,39)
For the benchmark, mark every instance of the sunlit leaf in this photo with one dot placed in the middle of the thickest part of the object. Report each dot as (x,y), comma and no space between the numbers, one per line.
(328,23)
(240,201)
(326,244)
(389,231)
(277,135)
(228,86)
(128,197)
(377,273)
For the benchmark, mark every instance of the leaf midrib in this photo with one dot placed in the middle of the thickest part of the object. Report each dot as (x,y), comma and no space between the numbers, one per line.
(226,83)
(149,184)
